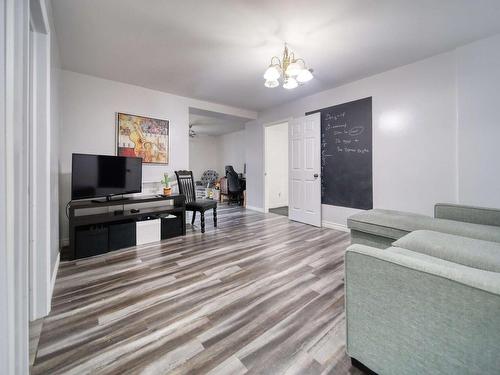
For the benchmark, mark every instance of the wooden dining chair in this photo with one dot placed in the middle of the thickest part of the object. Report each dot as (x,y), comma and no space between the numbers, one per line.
(186,187)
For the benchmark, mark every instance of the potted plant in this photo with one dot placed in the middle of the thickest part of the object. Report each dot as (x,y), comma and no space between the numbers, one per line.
(167,190)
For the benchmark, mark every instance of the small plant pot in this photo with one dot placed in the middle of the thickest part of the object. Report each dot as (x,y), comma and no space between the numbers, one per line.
(167,191)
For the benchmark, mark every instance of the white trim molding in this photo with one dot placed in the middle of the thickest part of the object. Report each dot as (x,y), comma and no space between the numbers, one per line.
(336,226)
(40,159)
(14,241)
(54,277)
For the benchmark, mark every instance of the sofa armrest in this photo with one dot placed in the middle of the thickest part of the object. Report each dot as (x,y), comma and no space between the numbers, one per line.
(409,313)
(426,264)
(467,214)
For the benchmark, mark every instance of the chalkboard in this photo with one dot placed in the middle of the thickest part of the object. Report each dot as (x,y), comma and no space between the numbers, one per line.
(346,154)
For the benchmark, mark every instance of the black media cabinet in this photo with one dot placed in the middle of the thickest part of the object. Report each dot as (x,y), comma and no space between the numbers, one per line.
(93,232)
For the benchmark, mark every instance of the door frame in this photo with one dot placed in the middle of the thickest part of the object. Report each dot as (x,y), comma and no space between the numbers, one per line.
(265,203)
(14,241)
(40,276)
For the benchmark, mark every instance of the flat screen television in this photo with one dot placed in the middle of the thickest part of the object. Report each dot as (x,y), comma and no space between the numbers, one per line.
(94,176)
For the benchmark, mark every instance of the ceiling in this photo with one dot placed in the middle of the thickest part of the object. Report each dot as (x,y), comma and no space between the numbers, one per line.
(213,123)
(218,50)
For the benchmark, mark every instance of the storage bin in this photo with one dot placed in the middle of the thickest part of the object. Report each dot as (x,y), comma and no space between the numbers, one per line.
(148,231)
(91,240)
(171,226)
(122,235)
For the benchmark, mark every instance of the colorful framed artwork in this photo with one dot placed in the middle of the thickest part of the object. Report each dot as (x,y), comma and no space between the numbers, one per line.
(144,137)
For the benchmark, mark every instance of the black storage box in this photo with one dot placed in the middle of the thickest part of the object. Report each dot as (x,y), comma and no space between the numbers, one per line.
(122,235)
(91,240)
(171,227)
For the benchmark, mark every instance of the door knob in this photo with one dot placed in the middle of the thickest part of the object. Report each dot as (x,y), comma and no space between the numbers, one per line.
(316,175)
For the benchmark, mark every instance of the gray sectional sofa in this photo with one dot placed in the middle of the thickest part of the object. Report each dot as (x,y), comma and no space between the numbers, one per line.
(423,293)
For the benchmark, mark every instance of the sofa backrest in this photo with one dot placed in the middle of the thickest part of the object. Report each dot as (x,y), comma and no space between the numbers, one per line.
(467,214)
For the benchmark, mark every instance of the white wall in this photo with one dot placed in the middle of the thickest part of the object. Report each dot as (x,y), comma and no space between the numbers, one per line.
(89,105)
(254,154)
(414,136)
(276,139)
(231,151)
(478,82)
(203,154)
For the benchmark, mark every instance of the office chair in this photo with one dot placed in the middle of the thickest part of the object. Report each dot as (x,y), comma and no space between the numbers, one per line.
(234,187)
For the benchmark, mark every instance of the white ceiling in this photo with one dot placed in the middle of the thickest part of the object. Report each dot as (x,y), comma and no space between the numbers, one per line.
(213,123)
(218,50)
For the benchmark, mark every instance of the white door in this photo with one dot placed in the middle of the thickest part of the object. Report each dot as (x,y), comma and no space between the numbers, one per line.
(304,137)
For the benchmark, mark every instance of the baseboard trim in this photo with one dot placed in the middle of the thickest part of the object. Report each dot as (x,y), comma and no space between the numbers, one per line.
(259,209)
(336,226)
(54,276)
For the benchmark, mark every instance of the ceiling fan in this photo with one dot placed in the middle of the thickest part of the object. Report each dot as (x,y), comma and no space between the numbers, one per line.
(192,133)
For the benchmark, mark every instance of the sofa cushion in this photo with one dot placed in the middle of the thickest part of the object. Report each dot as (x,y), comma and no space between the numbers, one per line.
(396,224)
(484,255)
(372,240)
(201,205)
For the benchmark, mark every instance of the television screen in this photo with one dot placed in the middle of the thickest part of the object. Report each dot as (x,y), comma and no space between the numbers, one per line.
(95,176)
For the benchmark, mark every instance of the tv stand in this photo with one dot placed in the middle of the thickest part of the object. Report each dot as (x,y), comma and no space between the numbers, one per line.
(91,214)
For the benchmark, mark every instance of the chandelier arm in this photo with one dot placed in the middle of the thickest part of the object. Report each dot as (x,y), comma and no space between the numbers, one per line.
(277,58)
(302,61)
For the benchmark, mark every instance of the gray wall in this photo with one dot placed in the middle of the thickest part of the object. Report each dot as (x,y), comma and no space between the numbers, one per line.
(478,82)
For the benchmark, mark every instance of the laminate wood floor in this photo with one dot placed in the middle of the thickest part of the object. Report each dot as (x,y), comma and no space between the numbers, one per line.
(258,295)
(280,210)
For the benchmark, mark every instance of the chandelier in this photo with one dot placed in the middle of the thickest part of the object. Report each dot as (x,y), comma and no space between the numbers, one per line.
(292,71)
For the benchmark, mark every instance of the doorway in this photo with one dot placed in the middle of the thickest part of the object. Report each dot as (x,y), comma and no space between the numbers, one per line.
(216,141)
(276,168)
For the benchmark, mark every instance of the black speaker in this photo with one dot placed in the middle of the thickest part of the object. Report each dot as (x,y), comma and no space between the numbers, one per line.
(122,235)
(171,227)
(91,240)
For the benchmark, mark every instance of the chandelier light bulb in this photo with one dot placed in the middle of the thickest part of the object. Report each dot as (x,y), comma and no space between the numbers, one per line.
(290,83)
(304,76)
(271,83)
(293,69)
(272,73)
